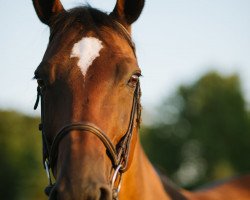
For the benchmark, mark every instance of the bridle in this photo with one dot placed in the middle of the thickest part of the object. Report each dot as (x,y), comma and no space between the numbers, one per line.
(118,154)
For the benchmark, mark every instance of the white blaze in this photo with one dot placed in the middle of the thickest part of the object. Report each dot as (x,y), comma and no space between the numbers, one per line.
(86,50)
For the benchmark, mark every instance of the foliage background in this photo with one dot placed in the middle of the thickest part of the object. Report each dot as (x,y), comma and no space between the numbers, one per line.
(200,134)
(22,176)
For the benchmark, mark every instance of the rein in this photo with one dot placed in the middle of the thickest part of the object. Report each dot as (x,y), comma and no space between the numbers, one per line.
(118,153)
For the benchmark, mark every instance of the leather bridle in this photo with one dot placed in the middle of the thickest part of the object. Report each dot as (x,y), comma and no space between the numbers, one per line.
(118,154)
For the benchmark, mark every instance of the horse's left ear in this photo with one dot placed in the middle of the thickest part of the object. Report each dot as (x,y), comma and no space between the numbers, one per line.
(46,9)
(127,11)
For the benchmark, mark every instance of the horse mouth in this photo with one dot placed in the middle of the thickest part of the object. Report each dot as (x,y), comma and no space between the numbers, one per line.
(102,192)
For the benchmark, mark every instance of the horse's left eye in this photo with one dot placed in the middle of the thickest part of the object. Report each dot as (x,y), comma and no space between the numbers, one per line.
(134,79)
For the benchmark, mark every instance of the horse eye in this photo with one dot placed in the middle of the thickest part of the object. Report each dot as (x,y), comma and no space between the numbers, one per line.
(133,80)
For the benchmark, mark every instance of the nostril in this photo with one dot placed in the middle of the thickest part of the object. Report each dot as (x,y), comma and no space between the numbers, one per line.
(105,193)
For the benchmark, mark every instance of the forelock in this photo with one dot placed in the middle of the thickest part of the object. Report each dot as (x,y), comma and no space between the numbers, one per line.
(90,18)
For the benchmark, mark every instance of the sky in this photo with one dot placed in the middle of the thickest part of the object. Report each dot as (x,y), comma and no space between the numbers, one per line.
(177,42)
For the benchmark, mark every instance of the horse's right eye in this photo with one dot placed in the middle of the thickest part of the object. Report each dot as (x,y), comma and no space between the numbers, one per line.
(134,79)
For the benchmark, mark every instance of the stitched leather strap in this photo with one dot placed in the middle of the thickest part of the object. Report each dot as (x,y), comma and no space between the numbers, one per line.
(82,127)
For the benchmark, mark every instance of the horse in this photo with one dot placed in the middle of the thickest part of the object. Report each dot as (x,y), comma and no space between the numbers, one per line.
(89,89)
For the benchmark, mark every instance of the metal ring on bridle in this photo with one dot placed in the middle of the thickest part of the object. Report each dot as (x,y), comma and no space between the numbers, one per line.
(47,171)
(115,178)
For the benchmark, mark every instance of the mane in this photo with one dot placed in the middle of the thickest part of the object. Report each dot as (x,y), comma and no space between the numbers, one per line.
(90,18)
(170,187)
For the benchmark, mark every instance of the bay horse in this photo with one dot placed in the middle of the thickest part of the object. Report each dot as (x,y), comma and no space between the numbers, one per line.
(88,85)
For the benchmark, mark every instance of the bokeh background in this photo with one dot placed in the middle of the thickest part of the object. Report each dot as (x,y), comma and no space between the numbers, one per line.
(194,56)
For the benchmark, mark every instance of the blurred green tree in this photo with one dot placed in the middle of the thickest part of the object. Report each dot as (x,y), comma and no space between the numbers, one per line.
(202,132)
(21,171)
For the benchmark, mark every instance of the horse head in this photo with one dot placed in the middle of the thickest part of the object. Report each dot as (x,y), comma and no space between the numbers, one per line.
(88,82)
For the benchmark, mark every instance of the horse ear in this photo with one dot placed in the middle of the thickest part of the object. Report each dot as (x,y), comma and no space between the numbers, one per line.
(127,11)
(46,9)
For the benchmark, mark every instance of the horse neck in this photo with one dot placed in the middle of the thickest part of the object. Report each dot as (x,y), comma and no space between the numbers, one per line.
(141,181)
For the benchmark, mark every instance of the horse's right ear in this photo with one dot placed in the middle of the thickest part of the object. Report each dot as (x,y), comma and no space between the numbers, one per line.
(46,9)
(127,11)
